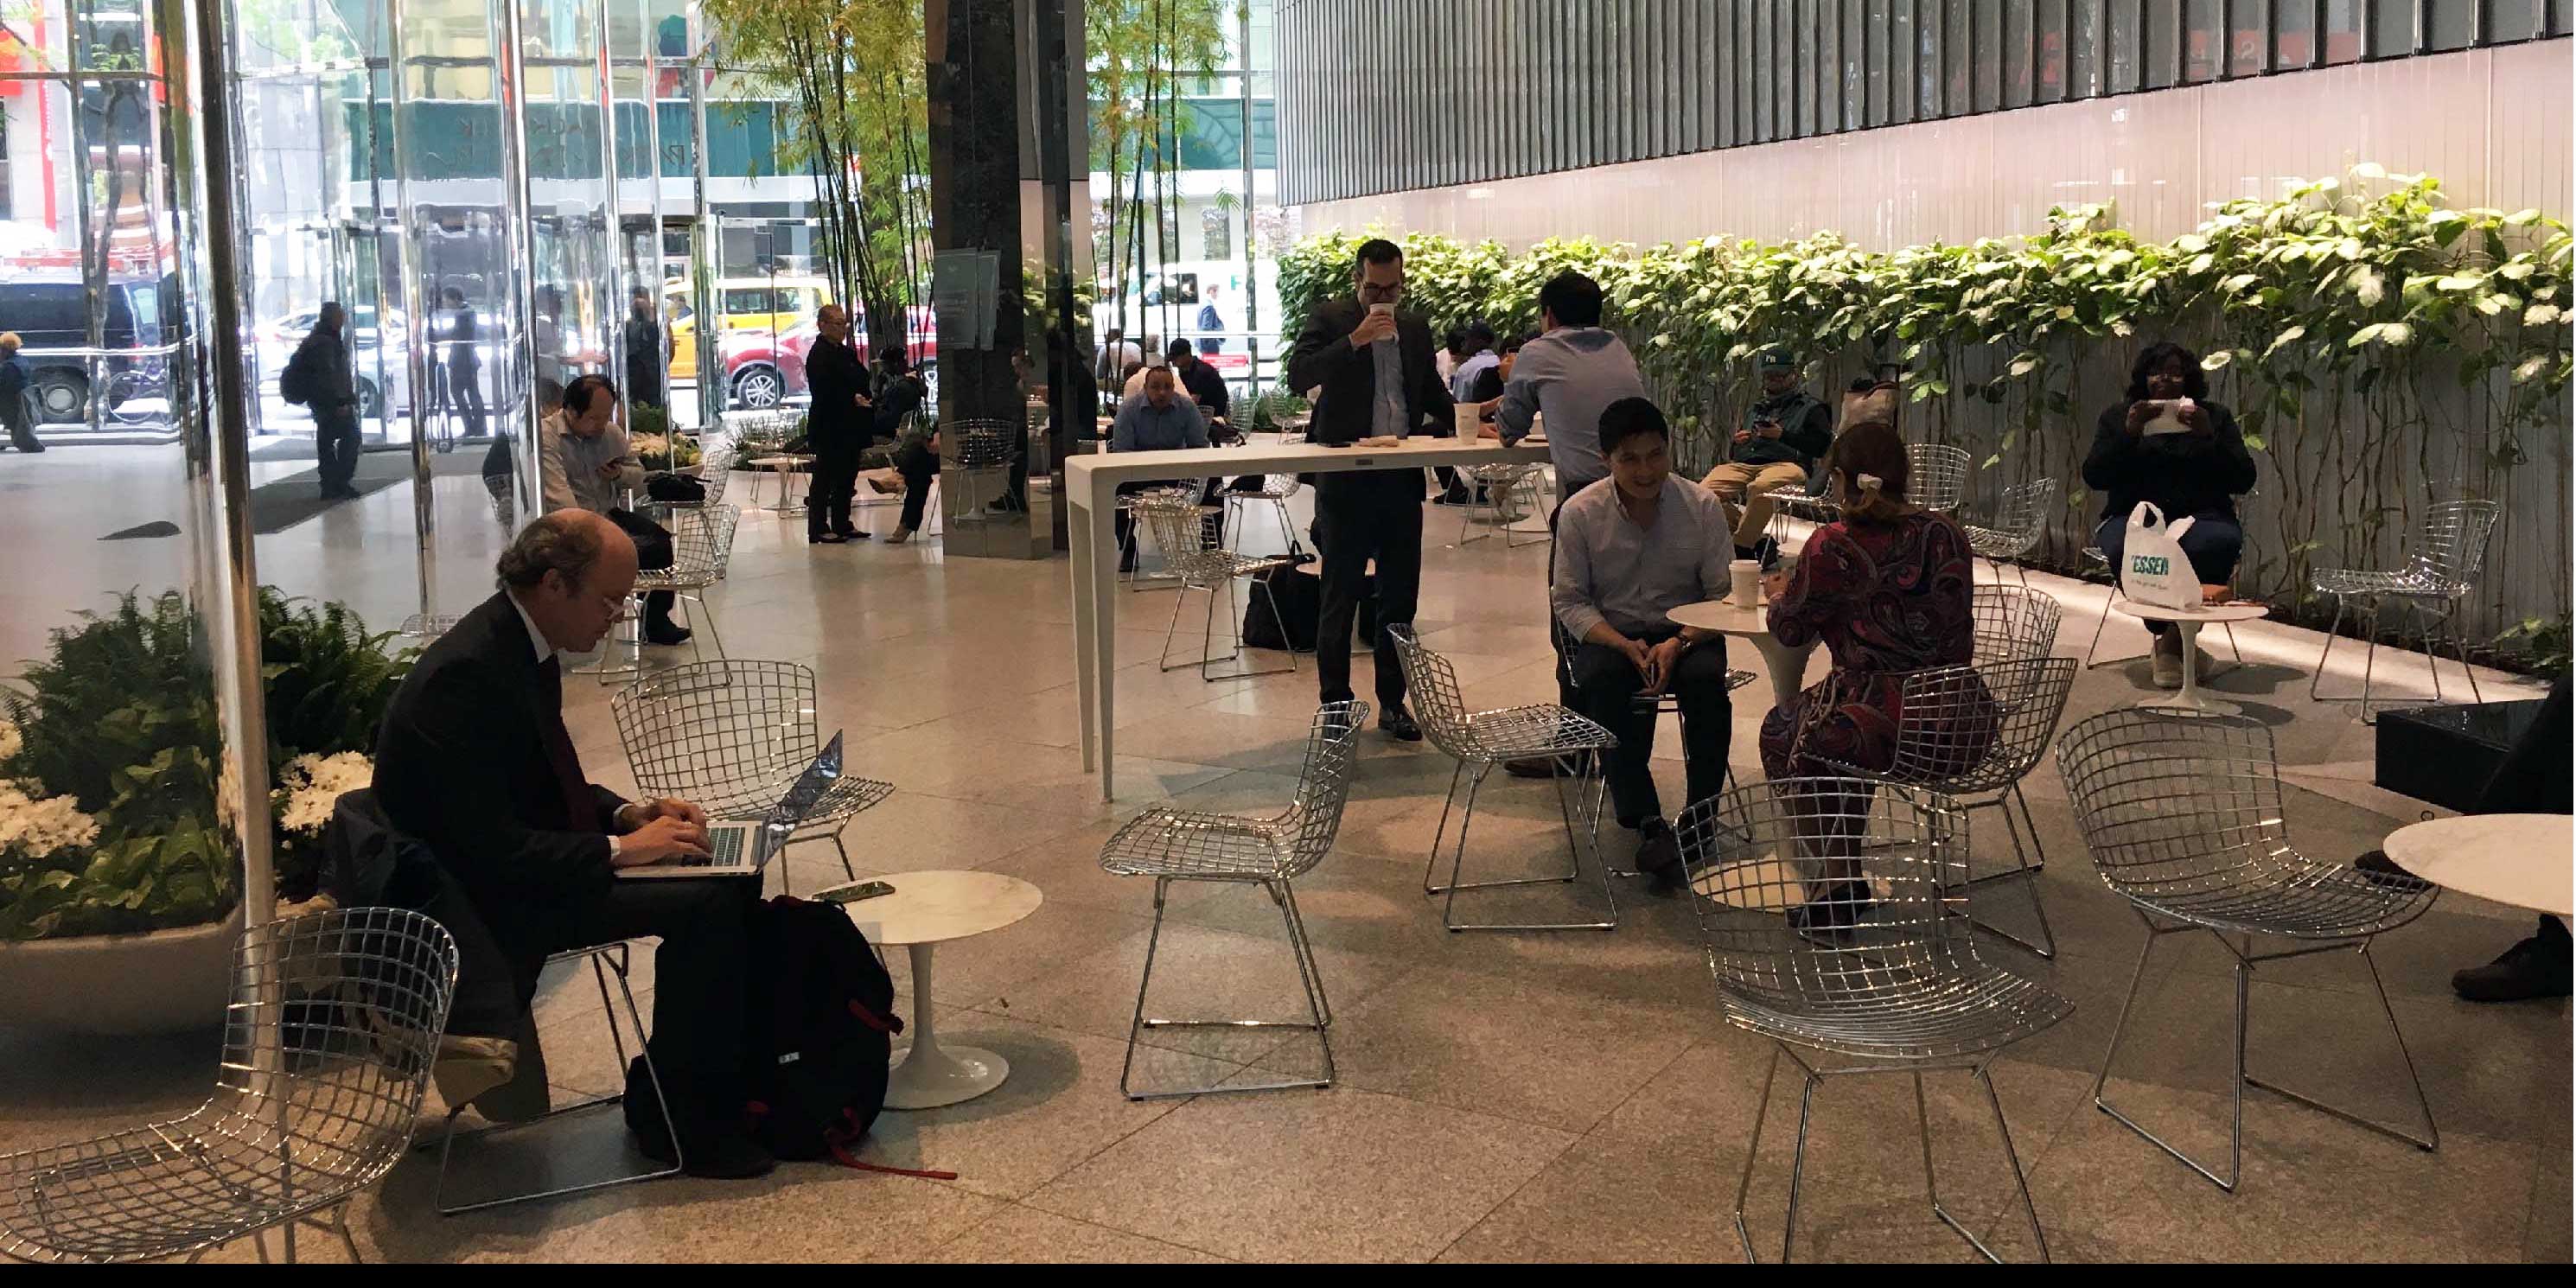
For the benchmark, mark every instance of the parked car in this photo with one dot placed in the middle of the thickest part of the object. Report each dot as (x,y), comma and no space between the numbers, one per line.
(278,337)
(50,313)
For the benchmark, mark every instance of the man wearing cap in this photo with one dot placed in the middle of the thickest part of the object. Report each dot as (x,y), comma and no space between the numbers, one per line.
(1784,432)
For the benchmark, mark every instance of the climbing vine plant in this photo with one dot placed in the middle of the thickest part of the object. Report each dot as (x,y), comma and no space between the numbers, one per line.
(2380,347)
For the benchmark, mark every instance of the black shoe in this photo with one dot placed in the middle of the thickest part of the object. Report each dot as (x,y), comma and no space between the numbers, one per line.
(2525,971)
(665,633)
(1575,765)
(1829,914)
(853,534)
(823,538)
(1395,723)
(1659,857)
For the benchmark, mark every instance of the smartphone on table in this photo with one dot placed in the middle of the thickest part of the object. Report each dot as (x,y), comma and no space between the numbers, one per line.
(853,892)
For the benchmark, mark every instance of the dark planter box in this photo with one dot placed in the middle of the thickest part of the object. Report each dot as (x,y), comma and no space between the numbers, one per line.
(2445,755)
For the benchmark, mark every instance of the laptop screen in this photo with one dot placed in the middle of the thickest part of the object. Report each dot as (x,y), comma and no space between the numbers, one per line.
(810,786)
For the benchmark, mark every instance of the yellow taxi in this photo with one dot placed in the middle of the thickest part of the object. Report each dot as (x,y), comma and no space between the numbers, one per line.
(747,304)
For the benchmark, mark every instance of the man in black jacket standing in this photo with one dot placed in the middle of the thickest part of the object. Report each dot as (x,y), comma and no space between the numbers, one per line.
(473,761)
(319,374)
(838,428)
(1375,368)
(644,358)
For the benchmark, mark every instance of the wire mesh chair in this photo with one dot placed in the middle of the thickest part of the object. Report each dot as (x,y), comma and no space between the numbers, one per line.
(1178,529)
(1274,491)
(733,736)
(2021,521)
(979,449)
(1182,845)
(701,554)
(1481,740)
(1936,475)
(1506,494)
(1830,920)
(603,959)
(2183,816)
(328,1041)
(2013,622)
(2441,569)
(1131,554)
(1972,733)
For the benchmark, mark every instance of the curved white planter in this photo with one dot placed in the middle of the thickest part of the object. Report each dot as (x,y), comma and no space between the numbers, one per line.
(160,981)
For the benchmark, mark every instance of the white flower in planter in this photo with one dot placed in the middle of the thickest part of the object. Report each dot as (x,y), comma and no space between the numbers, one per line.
(10,742)
(37,828)
(310,785)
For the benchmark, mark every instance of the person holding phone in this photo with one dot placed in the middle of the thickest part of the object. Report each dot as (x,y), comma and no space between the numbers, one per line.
(1373,364)
(1783,433)
(2197,473)
(1627,555)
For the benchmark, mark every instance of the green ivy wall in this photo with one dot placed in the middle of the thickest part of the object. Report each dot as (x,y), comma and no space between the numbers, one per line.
(2382,350)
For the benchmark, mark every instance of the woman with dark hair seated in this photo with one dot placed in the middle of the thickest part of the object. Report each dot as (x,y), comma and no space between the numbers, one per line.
(2166,444)
(1886,587)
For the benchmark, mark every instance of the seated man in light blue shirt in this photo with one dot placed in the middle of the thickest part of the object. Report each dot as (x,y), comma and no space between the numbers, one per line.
(1155,419)
(1629,551)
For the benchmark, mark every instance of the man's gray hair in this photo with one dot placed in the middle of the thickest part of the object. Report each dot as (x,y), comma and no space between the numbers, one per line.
(553,543)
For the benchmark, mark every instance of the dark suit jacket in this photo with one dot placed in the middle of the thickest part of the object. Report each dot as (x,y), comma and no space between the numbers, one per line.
(461,766)
(1344,413)
(837,377)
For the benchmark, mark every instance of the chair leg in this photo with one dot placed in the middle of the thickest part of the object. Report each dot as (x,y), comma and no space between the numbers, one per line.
(2460,645)
(714,637)
(1753,1151)
(1446,803)
(340,1226)
(847,869)
(1165,659)
(2024,871)
(1318,1022)
(2120,1028)
(2317,673)
(1574,860)
(2432,1138)
(1306,949)
(2012,1159)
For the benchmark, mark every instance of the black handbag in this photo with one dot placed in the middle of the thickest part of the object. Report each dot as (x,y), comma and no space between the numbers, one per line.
(675,487)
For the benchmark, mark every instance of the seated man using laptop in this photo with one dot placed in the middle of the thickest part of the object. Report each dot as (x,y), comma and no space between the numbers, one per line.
(1627,554)
(473,760)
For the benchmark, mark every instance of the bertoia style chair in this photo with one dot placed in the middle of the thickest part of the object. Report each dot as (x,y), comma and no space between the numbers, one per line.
(732,736)
(2013,622)
(2183,816)
(328,1042)
(1899,989)
(1482,740)
(2442,564)
(1182,534)
(1936,475)
(2021,520)
(1182,845)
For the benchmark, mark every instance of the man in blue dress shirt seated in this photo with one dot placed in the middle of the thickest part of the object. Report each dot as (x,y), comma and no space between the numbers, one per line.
(1154,419)
(1628,551)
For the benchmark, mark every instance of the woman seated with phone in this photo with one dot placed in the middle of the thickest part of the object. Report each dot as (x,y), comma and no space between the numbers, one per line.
(2166,444)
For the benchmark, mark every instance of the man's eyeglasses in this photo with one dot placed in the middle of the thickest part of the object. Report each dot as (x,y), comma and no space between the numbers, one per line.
(1374,294)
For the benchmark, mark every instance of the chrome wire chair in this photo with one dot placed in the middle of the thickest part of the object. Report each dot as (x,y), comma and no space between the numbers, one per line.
(979,449)
(1481,740)
(603,959)
(1662,704)
(2013,622)
(1131,553)
(2183,816)
(1182,845)
(2021,520)
(1896,986)
(2441,569)
(1936,475)
(328,1041)
(1972,733)
(701,554)
(1506,494)
(1275,490)
(1180,531)
(716,450)
(733,736)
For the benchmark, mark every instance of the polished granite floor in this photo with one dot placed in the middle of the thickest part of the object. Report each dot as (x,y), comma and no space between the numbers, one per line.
(1500,1098)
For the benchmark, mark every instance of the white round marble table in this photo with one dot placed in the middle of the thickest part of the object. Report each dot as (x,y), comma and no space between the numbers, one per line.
(1788,665)
(2516,859)
(928,909)
(2189,621)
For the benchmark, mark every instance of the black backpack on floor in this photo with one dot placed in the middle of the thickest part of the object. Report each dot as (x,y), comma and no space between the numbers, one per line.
(819,1027)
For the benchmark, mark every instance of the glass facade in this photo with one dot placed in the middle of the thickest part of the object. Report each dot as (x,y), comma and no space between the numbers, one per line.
(1547,85)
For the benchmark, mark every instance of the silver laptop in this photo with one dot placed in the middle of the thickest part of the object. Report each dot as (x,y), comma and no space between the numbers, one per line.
(742,847)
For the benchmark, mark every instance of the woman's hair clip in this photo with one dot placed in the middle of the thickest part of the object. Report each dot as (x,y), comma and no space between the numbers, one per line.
(1868,482)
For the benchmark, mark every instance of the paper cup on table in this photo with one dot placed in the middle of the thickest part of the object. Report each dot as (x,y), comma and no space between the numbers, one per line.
(1469,424)
(1746,590)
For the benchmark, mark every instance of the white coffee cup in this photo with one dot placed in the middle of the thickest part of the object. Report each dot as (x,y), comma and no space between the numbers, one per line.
(1746,578)
(1469,424)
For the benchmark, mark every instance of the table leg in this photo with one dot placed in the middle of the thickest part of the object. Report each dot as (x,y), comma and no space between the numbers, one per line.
(1788,668)
(1104,630)
(1078,536)
(927,1075)
(2191,698)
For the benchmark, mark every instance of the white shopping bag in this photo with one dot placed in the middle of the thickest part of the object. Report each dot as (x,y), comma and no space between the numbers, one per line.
(2152,567)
